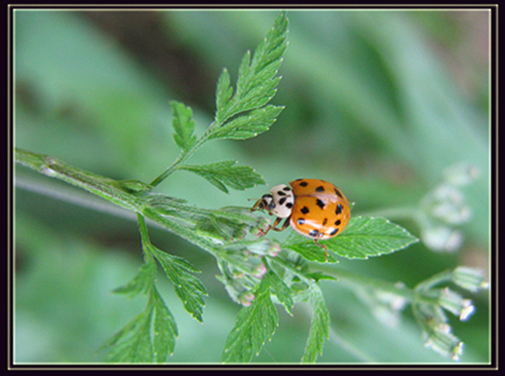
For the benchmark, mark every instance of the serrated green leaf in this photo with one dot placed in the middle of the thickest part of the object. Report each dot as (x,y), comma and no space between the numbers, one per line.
(317,276)
(165,329)
(281,290)
(253,327)
(187,287)
(256,80)
(183,264)
(184,125)
(227,173)
(224,91)
(132,344)
(319,327)
(143,281)
(363,237)
(249,125)
(307,248)
(129,328)
(244,73)
(367,236)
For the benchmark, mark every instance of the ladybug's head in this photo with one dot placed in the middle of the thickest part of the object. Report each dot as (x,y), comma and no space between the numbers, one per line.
(282,202)
(278,202)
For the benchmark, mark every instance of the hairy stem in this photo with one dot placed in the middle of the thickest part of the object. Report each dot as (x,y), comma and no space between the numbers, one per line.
(99,185)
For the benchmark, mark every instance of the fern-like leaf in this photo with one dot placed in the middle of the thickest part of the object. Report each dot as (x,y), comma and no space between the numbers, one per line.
(319,327)
(183,124)
(256,86)
(227,173)
(254,326)
(188,288)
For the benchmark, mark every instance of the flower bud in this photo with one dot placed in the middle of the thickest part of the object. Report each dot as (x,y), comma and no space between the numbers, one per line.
(442,238)
(246,298)
(454,303)
(274,249)
(461,174)
(259,271)
(469,278)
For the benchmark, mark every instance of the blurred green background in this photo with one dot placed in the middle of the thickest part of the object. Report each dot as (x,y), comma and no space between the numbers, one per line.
(378,102)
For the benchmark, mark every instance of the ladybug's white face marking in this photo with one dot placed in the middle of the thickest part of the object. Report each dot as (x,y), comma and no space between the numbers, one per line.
(282,201)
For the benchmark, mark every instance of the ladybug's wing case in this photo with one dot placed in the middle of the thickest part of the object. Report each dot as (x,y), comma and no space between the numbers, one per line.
(321,211)
(309,187)
(319,218)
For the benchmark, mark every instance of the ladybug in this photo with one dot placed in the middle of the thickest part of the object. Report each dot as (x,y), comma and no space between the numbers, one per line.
(312,207)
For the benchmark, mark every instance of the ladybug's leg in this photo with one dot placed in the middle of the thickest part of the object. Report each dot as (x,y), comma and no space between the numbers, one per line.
(262,204)
(323,246)
(284,225)
(273,226)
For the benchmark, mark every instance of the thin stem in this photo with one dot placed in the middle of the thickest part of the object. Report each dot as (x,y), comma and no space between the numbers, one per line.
(291,268)
(111,191)
(144,235)
(71,195)
(435,280)
(183,156)
(99,185)
(367,282)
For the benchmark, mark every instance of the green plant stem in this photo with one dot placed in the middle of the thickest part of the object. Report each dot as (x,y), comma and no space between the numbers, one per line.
(110,190)
(99,185)
(292,269)
(367,282)
(409,295)
(183,156)
(145,237)
(429,283)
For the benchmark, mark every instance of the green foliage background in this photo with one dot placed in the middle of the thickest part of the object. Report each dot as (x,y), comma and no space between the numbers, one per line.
(377,102)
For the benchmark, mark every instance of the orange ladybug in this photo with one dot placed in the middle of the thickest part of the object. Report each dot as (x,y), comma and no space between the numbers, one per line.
(312,207)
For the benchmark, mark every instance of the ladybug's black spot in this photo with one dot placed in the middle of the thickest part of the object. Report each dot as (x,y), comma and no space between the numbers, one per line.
(282,200)
(304,210)
(286,189)
(325,221)
(313,233)
(339,194)
(339,209)
(320,203)
(320,189)
(303,184)
(289,205)
(333,232)
(300,221)
(337,223)
(281,193)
